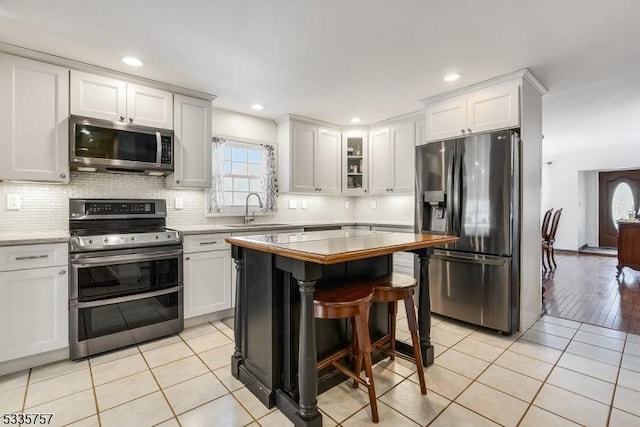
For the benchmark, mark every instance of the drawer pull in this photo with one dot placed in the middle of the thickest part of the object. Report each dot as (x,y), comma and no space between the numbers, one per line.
(22,258)
(208,243)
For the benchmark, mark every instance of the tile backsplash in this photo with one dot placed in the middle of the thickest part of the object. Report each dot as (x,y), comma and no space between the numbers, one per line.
(45,207)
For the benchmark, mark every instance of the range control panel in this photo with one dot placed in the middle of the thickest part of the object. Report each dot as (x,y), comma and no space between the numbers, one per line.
(83,209)
(110,208)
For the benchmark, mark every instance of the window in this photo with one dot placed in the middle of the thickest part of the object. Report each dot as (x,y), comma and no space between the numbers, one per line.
(242,173)
(238,169)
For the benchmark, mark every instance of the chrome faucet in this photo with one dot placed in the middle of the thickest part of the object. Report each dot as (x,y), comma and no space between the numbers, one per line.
(249,219)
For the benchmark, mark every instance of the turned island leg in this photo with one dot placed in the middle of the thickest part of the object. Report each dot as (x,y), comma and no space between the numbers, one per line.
(307,358)
(236,358)
(424,308)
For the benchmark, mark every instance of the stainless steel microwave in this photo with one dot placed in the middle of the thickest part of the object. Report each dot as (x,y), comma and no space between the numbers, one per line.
(105,146)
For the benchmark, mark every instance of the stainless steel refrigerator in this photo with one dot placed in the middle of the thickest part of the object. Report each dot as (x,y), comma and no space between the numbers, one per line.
(470,187)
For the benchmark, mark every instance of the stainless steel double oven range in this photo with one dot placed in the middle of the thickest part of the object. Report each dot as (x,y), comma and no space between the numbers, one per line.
(126,274)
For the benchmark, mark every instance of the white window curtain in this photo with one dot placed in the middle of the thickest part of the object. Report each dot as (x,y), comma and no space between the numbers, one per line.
(216,195)
(269,179)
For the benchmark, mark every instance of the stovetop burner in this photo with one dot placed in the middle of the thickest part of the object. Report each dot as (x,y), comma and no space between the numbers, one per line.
(107,224)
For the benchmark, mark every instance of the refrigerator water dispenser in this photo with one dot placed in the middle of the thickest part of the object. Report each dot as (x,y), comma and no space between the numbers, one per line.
(435,209)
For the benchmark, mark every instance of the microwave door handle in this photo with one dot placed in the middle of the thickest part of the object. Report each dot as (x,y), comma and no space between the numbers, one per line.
(158,149)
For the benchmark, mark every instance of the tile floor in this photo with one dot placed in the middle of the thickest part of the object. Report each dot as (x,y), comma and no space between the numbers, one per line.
(558,373)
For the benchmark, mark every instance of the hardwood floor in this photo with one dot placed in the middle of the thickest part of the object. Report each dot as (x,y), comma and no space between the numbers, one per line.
(584,288)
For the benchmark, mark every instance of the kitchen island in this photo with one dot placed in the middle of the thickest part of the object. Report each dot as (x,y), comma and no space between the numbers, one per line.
(277,339)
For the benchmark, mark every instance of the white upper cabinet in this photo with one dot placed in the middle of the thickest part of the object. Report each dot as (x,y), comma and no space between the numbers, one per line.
(309,158)
(354,162)
(487,109)
(34,125)
(391,154)
(112,99)
(149,107)
(327,166)
(192,143)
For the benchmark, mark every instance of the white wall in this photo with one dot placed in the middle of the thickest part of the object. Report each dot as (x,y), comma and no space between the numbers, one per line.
(562,177)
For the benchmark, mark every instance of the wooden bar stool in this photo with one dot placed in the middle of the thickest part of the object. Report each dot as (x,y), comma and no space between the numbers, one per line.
(391,289)
(350,301)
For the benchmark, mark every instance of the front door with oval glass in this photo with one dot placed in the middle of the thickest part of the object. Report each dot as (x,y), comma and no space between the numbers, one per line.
(619,197)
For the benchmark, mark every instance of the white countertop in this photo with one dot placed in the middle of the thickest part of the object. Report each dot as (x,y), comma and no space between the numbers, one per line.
(33,237)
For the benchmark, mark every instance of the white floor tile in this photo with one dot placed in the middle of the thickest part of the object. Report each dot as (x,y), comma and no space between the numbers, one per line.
(581,384)
(251,403)
(590,367)
(226,411)
(456,415)
(594,352)
(462,363)
(166,354)
(217,357)
(478,349)
(627,400)
(194,331)
(387,415)
(208,341)
(553,329)
(178,371)
(510,382)
(494,339)
(147,410)
(11,400)
(69,408)
(493,404)
(384,379)
(444,381)
(562,322)
(444,337)
(15,380)
(56,369)
(459,328)
(160,342)
(517,362)
(611,333)
(574,407)
(629,361)
(91,421)
(623,419)
(632,348)
(342,401)
(537,417)
(113,355)
(276,419)
(194,392)
(119,368)
(536,351)
(634,338)
(553,341)
(629,379)
(125,389)
(225,377)
(407,399)
(599,340)
(57,387)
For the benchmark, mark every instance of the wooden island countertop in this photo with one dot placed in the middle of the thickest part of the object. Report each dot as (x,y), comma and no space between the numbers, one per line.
(336,246)
(276,348)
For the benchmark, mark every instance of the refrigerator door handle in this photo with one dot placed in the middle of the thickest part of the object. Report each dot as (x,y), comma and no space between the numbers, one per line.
(471,260)
(457,194)
(450,195)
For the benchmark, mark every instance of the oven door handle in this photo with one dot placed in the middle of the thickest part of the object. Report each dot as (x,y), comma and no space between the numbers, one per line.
(97,261)
(127,298)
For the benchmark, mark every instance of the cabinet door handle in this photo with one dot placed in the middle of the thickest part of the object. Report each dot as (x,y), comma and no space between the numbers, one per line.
(22,258)
(122,118)
(130,120)
(469,130)
(61,272)
(208,243)
(62,175)
(187,258)
(177,181)
(461,130)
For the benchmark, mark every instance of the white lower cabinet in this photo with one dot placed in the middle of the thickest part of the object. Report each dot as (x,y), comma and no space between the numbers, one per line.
(34,316)
(207,274)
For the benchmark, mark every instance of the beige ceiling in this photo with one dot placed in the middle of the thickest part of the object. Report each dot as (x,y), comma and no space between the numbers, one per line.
(335,59)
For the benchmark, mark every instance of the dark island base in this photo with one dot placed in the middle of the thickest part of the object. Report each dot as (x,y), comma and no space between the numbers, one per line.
(268,327)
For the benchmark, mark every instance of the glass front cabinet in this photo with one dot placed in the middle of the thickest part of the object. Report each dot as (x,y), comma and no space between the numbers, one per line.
(354,152)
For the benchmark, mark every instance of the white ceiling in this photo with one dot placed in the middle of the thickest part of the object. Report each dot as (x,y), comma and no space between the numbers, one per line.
(332,60)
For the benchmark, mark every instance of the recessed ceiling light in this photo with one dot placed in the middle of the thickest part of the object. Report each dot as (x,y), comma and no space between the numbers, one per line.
(132,61)
(451,77)
(356,120)
(257,107)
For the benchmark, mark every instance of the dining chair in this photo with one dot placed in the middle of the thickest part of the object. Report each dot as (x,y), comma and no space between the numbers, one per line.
(546,220)
(547,245)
